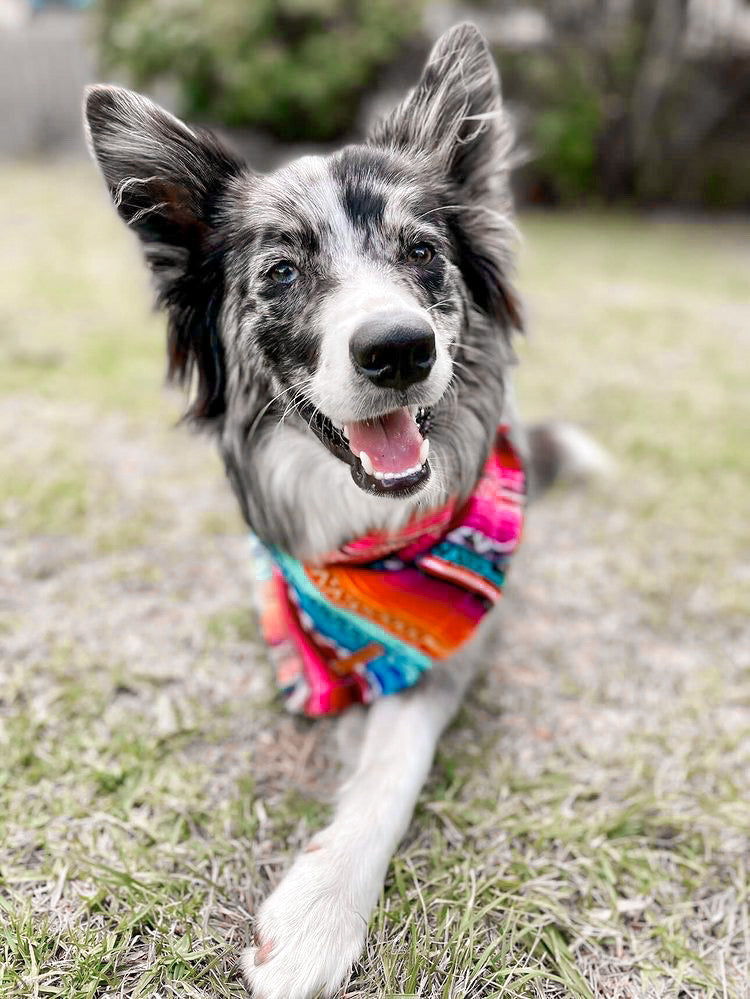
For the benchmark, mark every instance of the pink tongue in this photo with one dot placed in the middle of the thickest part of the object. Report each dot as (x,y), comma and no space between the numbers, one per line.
(392,441)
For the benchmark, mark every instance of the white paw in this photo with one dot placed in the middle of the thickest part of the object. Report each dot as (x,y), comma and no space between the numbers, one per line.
(309,932)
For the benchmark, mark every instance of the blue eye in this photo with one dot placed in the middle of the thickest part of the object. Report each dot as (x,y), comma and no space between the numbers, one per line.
(284,272)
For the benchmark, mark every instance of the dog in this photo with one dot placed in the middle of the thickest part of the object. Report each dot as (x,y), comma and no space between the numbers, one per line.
(345,325)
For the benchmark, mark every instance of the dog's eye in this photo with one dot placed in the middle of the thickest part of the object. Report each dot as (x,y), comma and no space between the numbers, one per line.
(284,272)
(420,253)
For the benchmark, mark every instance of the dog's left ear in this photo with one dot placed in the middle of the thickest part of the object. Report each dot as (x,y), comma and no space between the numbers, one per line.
(167,182)
(454,122)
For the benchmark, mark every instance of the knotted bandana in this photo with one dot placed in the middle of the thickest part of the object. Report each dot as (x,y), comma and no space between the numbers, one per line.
(382,608)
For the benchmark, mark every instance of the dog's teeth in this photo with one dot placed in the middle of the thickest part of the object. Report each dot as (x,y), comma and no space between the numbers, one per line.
(345,430)
(338,426)
(391,476)
(424,451)
(388,476)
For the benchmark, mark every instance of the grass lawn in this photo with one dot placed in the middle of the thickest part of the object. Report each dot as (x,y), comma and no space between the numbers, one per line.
(586,829)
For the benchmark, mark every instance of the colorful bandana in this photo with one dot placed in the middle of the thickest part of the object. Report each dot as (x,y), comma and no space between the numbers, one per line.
(376,614)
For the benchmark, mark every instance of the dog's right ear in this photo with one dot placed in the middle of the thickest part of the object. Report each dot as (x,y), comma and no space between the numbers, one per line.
(166,181)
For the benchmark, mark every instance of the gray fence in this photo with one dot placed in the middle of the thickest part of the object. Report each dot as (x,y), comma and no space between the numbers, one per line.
(45,62)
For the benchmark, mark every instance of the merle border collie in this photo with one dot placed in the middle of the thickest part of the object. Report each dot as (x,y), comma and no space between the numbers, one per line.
(345,325)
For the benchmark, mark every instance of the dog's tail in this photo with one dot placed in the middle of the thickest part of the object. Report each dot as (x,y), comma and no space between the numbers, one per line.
(563,452)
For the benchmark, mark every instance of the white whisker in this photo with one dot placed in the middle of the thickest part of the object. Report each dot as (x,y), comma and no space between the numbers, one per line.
(440,208)
(443,301)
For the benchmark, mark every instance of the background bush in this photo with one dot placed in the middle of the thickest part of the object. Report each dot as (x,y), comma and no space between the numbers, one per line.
(623,103)
(297,68)
(616,102)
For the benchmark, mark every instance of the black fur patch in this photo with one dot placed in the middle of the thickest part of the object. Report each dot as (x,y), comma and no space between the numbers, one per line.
(363,174)
(298,237)
(487,284)
(283,336)
(357,163)
(363,205)
(193,303)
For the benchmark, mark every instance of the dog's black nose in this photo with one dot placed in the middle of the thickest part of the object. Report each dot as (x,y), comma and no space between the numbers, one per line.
(393,351)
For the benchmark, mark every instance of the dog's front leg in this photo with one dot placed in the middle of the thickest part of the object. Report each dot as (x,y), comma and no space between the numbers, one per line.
(312,928)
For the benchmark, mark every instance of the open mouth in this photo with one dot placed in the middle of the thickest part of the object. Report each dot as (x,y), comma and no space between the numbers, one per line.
(387,455)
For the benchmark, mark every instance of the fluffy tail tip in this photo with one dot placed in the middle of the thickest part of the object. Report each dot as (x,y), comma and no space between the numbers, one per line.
(563,452)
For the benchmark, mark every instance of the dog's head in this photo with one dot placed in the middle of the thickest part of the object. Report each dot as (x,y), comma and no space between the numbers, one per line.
(346,285)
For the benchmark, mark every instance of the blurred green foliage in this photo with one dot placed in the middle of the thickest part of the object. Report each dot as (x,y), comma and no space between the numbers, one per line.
(617,106)
(614,104)
(297,68)
(565,131)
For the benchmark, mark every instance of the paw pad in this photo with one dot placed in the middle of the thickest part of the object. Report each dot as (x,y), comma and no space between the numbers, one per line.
(263,953)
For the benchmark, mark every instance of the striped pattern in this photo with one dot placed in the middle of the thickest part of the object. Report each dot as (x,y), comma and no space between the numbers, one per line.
(376,615)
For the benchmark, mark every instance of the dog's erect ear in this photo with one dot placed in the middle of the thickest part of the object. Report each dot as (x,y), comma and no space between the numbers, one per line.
(166,181)
(453,120)
(453,113)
